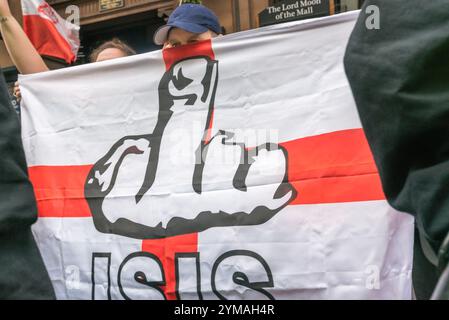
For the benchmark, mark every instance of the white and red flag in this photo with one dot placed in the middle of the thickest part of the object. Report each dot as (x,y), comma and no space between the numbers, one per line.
(50,34)
(228,169)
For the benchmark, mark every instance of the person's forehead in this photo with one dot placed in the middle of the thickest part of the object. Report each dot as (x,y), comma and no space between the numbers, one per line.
(174,32)
(110,53)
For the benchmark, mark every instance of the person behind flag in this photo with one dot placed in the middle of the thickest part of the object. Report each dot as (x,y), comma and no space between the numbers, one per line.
(111,49)
(25,56)
(188,24)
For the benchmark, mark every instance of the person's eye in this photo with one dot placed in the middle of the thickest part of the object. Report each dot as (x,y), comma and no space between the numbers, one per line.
(193,40)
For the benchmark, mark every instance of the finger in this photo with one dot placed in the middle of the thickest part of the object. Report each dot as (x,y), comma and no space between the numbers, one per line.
(267,176)
(186,106)
(116,167)
(222,158)
(115,179)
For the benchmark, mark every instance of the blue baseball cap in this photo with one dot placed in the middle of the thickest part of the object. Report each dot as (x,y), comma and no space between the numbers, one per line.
(194,18)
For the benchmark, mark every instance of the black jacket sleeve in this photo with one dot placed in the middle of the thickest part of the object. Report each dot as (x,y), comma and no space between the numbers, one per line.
(22,271)
(399,75)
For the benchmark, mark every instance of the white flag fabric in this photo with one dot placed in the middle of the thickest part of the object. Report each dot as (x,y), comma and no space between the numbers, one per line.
(228,169)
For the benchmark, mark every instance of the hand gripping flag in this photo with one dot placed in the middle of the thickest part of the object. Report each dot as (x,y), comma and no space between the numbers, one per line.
(50,34)
(228,169)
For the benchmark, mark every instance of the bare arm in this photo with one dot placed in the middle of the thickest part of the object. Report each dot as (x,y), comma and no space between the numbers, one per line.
(23,54)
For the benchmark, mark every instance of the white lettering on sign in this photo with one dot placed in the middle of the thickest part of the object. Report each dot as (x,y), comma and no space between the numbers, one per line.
(293,10)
